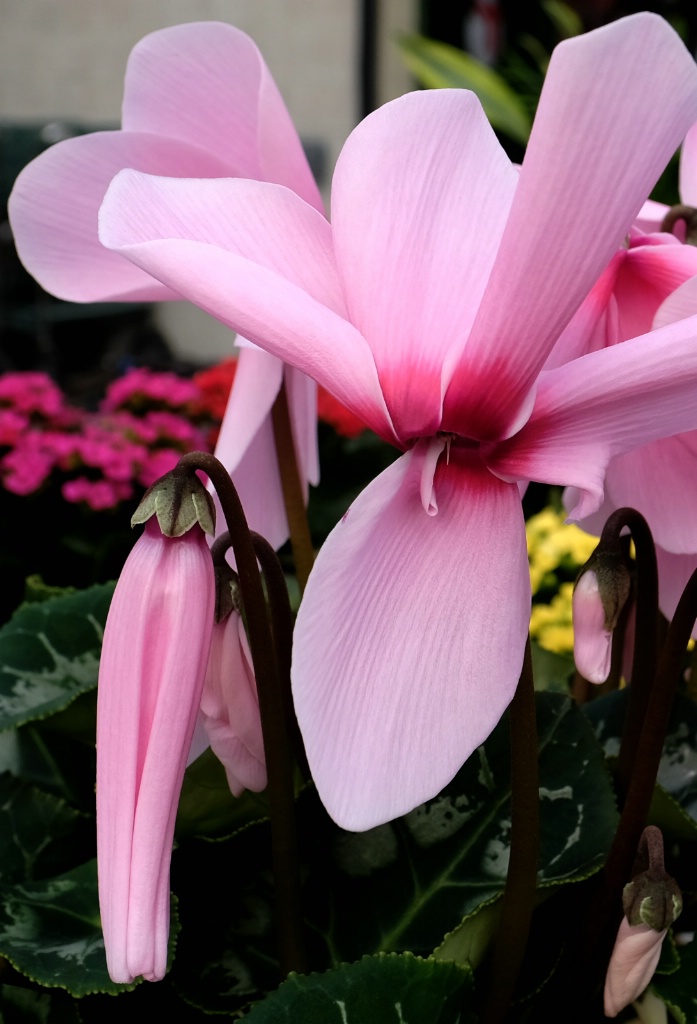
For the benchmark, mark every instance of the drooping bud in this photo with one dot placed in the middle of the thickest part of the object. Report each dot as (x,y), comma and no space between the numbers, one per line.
(632,965)
(599,596)
(179,500)
(651,901)
(156,646)
(230,707)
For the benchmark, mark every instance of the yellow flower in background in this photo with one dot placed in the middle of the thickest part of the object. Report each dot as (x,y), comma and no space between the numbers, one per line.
(555,547)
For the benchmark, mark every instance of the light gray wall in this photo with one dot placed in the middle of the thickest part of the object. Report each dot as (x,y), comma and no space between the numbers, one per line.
(65,59)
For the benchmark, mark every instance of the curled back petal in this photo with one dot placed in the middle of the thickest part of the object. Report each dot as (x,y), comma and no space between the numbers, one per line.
(601,405)
(54,205)
(420,197)
(615,105)
(259,259)
(207,84)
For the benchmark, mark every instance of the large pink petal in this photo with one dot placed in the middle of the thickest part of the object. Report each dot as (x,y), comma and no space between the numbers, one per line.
(615,105)
(660,480)
(257,382)
(207,84)
(302,407)
(258,484)
(259,259)
(54,205)
(688,168)
(649,274)
(420,198)
(650,216)
(601,405)
(674,573)
(410,636)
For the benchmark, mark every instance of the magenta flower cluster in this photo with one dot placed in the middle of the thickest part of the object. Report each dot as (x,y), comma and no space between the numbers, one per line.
(145,423)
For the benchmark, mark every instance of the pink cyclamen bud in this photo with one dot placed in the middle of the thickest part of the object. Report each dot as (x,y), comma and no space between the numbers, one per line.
(592,640)
(156,646)
(230,707)
(632,965)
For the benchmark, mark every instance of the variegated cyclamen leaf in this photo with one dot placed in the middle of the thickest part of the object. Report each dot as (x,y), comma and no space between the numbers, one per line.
(28,1006)
(49,654)
(402,886)
(34,826)
(50,931)
(677,989)
(677,772)
(408,883)
(383,989)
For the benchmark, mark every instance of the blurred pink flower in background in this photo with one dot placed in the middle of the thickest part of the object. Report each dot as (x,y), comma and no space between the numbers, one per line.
(199,101)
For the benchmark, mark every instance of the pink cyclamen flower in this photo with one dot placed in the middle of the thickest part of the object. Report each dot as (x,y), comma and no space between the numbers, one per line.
(632,965)
(199,101)
(230,708)
(429,308)
(151,674)
(650,283)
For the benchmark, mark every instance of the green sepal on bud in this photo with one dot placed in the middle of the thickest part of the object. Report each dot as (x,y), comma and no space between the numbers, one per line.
(655,902)
(180,501)
(228,596)
(653,897)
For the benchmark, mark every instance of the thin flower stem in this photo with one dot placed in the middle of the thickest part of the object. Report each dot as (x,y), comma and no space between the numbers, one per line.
(300,539)
(271,706)
(521,881)
(282,622)
(645,654)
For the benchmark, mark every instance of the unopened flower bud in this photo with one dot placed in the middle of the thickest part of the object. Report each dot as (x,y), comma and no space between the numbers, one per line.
(179,500)
(156,645)
(632,965)
(599,597)
(651,902)
(230,707)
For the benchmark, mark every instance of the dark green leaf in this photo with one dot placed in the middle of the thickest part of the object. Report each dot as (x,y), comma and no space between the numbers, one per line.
(49,654)
(27,1006)
(551,671)
(35,589)
(50,931)
(677,772)
(33,828)
(384,989)
(406,884)
(208,808)
(678,989)
(35,753)
(402,886)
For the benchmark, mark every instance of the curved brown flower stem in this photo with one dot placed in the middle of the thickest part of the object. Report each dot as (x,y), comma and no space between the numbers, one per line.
(276,742)
(521,881)
(606,908)
(300,539)
(580,688)
(688,214)
(645,654)
(282,623)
